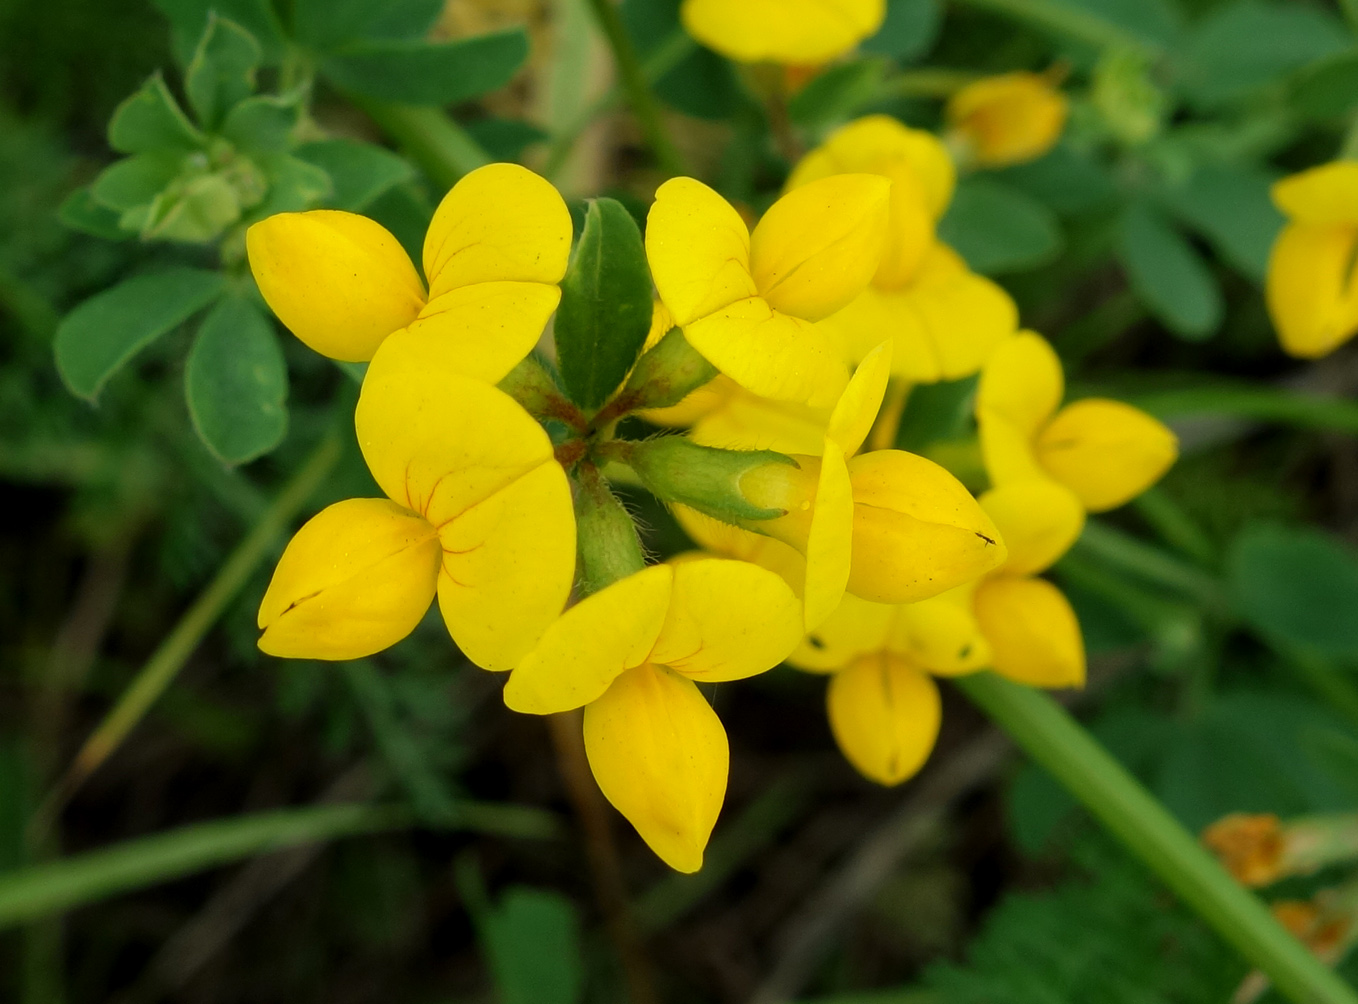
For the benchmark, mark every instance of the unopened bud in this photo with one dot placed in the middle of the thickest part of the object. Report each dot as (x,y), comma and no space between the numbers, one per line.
(713,481)
(1261,849)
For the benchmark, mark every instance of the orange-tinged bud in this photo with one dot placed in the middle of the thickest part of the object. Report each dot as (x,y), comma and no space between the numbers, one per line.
(1008,119)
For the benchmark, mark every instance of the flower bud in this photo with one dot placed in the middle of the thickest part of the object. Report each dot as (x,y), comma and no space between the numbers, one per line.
(340,282)
(1008,119)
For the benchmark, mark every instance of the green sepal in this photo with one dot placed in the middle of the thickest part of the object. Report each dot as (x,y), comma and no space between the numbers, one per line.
(222,71)
(676,469)
(152,120)
(605,310)
(606,535)
(533,387)
(668,372)
(196,211)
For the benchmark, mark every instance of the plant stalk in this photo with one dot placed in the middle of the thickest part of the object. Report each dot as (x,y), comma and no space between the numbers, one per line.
(166,662)
(638,89)
(1069,20)
(443,149)
(1060,745)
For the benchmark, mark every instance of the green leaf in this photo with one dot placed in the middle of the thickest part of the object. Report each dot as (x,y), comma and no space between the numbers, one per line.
(505,139)
(1070,181)
(909,31)
(998,229)
(222,71)
(135,181)
(81,212)
(1245,45)
(533,940)
(605,310)
(236,383)
(429,73)
(151,120)
(45,889)
(1229,204)
(189,19)
(833,95)
(263,123)
(1297,586)
(1327,89)
(100,335)
(359,172)
(326,24)
(703,84)
(1168,275)
(294,185)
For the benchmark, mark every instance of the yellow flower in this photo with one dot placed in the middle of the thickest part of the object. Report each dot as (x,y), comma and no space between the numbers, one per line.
(943,318)
(495,251)
(1313,270)
(630,655)
(1105,451)
(477,511)
(1008,119)
(792,32)
(749,303)
(887,526)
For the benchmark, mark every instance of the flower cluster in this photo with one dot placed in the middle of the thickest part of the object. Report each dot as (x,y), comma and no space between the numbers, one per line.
(774,349)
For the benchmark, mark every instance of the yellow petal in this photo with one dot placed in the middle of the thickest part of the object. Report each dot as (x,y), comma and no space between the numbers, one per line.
(439,442)
(699,251)
(792,32)
(339,282)
(885,716)
(1022,381)
(660,756)
(721,538)
(1038,520)
(917,531)
(1033,634)
(830,542)
(944,324)
(771,354)
(357,578)
(1313,287)
(508,566)
(727,620)
(591,644)
(1020,389)
(856,627)
(1107,452)
(922,177)
(482,331)
(1323,195)
(818,246)
(745,421)
(1010,118)
(852,418)
(941,634)
(500,223)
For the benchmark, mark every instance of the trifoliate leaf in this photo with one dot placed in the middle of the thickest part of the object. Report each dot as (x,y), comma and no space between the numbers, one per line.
(359,172)
(222,71)
(100,335)
(998,229)
(605,310)
(236,382)
(151,121)
(263,123)
(189,20)
(327,24)
(1229,204)
(532,939)
(1168,275)
(909,31)
(135,181)
(81,212)
(429,73)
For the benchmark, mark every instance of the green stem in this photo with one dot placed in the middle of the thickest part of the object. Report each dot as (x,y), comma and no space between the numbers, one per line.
(1059,744)
(1174,525)
(1325,679)
(442,148)
(638,89)
(1269,404)
(1150,563)
(1068,20)
(175,650)
(669,54)
(44,889)
(927,83)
